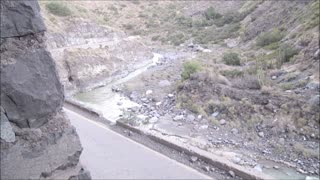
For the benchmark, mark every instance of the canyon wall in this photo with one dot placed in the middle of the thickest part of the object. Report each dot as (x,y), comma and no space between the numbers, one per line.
(37,140)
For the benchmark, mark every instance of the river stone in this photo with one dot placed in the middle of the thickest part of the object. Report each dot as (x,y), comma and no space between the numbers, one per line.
(7,133)
(153,120)
(148,92)
(164,83)
(178,118)
(193,159)
(222,122)
(20,18)
(231,173)
(261,134)
(190,117)
(30,89)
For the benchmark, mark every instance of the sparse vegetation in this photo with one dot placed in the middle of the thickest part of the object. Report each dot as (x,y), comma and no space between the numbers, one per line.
(177,38)
(232,73)
(189,68)
(231,58)
(267,38)
(247,82)
(58,9)
(211,13)
(286,52)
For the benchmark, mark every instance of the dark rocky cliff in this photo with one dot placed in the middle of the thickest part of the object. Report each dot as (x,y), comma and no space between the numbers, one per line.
(37,140)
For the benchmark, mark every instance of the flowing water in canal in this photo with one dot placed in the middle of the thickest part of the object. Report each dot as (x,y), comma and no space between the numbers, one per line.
(104,100)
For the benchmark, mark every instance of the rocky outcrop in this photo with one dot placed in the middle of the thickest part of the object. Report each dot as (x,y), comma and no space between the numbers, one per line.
(37,141)
(20,18)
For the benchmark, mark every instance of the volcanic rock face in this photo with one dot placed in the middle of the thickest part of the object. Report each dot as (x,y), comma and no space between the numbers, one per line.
(37,141)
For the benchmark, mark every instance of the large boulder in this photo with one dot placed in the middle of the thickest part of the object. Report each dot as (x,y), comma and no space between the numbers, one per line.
(37,140)
(30,89)
(20,18)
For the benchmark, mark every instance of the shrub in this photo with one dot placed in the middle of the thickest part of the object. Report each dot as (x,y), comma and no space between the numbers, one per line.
(232,73)
(189,68)
(267,38)
(210,13)
(286,52)
(58,9)
(184,21)
(128,26)
(231,59)
(177,39)
(232,17)
(155,38)
(247,82)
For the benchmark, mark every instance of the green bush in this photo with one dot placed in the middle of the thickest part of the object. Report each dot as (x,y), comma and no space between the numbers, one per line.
(58,9)
(210,13)
(286,52)
(228,18)
(189,68)
(267,38)
(231,59)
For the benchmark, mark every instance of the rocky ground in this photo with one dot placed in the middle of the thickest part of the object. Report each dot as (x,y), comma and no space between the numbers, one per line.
(157,91)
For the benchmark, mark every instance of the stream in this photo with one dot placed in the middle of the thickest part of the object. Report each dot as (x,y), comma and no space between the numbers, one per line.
(110,103)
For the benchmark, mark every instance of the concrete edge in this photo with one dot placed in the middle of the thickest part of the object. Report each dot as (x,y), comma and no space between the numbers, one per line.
(210,159)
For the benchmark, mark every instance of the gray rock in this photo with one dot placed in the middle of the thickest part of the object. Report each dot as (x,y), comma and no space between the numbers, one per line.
(276,167)
(236,160)
(206,168)
(313,85)
(7,133)
(314,101)
(119,103)
(215,114)
(316,54)
(178,118)
(281,140)
(190,117)
(20,18)
(222,122)
(231,173)
(234,131)
(261,134)
(203,127)
(193,159)
(164,83)
(30,89)
(274,77)
(258,167)
(148,92)
(153,120)
(311,178)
